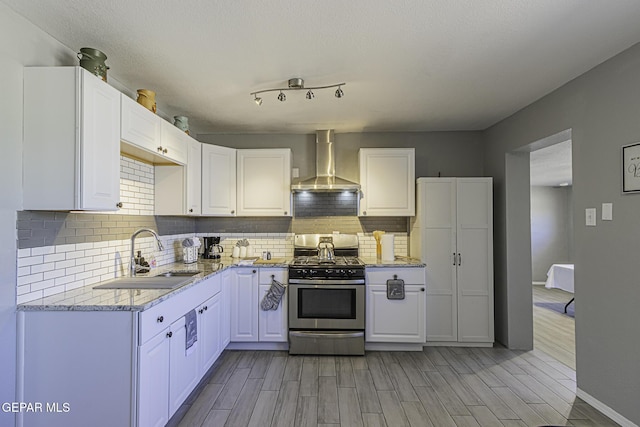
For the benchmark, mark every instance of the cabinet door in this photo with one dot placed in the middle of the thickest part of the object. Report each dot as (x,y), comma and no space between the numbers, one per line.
(194,178)
(218,180)
(439,252)
(272,324)
(209,342)
(225,323)
(174,142)
(475,269)
(244,305)
(183,366)
(100,142)
(140,127)
(400,321)
(264,182)
(387,179)
(153,374)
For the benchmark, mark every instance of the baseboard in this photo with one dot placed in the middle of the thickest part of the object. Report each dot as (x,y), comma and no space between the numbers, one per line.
(604,409)
(258,346)
(457,344)
(389,346)
(539,283)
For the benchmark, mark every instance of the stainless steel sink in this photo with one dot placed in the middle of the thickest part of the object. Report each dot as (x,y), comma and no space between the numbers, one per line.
(156,282)
(178,274)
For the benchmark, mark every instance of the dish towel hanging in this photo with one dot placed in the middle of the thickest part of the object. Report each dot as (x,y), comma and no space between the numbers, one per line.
(272,298)
(191,324)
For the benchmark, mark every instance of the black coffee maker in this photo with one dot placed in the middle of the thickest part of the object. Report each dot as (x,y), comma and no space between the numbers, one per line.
(212,248)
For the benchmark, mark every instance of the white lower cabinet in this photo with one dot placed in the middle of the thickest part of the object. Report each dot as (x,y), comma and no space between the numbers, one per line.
(272,324)
(209,332)
(184,366)
(244,304)
(396,320)
(249,323)
(119,368)
(225,295)
(168,372)
(153,383)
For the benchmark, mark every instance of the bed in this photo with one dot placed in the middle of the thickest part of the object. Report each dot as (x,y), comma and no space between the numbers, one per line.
(560,276)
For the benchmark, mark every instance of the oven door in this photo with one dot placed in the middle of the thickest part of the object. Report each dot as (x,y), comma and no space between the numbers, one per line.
(326,306)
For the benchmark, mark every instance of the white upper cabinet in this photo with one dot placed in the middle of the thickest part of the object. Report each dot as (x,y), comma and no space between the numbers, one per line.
(264,182)
(178,187)
(140,127)
(387,180)
(218,180)
(194,178)
(71,150)
(174,143)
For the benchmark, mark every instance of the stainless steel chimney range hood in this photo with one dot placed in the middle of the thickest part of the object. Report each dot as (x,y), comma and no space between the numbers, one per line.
(325,179)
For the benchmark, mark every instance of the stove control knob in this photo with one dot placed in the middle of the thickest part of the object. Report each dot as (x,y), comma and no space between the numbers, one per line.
(329,272)
(312,272)
(341,272)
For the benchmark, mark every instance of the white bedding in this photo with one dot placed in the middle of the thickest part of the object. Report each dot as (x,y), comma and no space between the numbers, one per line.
(560,276)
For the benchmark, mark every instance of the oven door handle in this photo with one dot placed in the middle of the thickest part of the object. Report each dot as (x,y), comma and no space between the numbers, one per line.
(326,334)
(326,282)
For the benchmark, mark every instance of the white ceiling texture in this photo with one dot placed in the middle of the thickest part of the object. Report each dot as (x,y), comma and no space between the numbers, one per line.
(410,65)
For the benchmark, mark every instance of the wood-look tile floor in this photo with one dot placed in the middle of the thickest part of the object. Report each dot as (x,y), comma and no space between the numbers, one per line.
(553,330)
(440,386)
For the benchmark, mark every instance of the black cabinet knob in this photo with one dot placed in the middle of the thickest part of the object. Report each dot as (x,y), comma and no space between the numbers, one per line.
(169,334)
(160,319)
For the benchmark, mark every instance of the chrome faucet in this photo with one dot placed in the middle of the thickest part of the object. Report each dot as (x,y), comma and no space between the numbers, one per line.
(132,260)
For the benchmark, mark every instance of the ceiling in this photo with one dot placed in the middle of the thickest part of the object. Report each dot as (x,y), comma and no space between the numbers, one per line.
(411,65)
(551,166)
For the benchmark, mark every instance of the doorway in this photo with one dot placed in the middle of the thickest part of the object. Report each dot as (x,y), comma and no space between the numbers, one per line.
(551,205)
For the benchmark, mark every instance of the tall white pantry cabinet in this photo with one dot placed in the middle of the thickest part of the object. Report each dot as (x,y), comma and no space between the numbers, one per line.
(452,233)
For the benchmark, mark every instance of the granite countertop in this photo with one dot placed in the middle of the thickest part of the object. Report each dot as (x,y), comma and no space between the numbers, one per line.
(87,298)
(400,261)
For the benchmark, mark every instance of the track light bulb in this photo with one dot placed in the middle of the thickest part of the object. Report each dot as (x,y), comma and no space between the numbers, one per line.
(310,95)
(339,92)
(258,100)
(282,97)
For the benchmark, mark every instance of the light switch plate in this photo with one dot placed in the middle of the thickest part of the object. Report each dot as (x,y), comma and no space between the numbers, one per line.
(590,216)
(607,211)
(295,173)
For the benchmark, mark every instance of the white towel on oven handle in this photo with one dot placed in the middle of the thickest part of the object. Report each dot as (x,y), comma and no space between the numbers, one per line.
(272,298)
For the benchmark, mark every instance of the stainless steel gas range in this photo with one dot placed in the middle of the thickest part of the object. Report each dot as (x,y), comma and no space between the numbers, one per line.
(326,296)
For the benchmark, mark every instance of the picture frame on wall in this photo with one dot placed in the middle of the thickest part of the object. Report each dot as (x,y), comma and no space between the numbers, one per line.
(631,168)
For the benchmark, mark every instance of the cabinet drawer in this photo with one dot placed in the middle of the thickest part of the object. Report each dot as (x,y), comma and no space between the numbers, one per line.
(158,317)
(280,274)
(379,276)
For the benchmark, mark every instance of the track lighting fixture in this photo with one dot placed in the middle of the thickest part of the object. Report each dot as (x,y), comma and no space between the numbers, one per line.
(297,84)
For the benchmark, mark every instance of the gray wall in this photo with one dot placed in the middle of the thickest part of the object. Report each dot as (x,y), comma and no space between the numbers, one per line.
(448,153)
(551,229)
(601,109)
(20,44)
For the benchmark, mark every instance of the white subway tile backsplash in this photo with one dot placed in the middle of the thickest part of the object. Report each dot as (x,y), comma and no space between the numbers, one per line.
(65,248)
(30,260)
(39,268)
(54,257)
(44,250)
(23,253)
